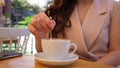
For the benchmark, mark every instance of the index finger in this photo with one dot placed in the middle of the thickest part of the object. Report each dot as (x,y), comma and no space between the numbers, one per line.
(42,14)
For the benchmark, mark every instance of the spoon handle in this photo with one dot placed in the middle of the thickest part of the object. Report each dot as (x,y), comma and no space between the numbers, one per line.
(51,30)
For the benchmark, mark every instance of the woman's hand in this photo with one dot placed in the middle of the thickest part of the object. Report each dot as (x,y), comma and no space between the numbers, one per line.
(41,25)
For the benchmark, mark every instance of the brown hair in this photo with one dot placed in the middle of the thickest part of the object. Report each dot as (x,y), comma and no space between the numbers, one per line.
(61,11)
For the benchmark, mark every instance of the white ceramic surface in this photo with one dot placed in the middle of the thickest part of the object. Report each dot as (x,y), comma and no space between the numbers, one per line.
(57,49)
(71,58)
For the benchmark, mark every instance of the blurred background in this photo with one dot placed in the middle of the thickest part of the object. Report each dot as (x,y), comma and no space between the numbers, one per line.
(20,12)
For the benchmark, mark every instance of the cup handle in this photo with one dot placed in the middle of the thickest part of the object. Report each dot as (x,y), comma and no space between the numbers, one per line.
(75,48)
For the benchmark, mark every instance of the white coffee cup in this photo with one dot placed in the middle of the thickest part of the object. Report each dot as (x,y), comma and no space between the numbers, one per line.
(57,49)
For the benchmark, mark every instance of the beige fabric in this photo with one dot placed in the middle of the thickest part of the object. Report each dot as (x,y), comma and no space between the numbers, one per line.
(92,36)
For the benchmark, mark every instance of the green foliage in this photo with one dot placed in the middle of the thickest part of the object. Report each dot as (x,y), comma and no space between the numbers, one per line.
(6,15)
(35,8)
(20,4)
(24,23)
(24,5)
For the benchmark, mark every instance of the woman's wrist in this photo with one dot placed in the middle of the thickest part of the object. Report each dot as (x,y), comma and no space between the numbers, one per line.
(42,36)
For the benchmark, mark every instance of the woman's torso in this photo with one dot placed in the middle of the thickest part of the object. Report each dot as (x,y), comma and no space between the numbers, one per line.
(92,36)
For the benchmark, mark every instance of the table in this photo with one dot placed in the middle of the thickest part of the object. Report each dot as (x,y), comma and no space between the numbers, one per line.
(30,62)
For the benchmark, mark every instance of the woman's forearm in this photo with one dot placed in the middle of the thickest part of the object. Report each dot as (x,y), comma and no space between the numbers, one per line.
(38,41)
(111,58)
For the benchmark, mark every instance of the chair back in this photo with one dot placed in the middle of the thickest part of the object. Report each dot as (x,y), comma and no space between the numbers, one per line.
(20,35)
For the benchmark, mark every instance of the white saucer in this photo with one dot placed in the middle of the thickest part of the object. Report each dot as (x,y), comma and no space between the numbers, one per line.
(68,60)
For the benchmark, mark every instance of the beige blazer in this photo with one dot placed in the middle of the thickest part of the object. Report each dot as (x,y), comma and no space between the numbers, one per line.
(92,36)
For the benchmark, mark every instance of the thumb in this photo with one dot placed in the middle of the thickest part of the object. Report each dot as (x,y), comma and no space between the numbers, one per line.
(52,24)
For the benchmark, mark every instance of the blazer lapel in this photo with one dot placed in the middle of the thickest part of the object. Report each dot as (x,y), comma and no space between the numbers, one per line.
(95,19)
(85,34)
(78,38)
